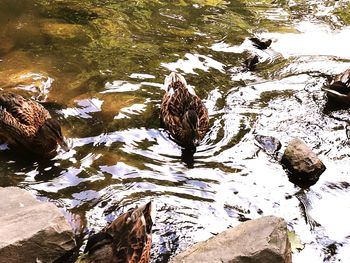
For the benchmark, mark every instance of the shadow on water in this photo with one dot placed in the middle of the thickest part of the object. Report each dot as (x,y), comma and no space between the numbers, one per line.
(187,156)
(21,164)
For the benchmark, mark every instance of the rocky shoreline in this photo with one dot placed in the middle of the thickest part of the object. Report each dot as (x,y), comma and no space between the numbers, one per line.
(32,231)
(35,231)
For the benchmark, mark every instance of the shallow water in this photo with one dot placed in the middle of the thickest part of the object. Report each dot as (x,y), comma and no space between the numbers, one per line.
(99,65)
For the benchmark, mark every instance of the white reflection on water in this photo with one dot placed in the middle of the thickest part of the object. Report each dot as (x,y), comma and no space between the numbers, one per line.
(68,178)
(312,40)
(194,62)
(141,76)
(37,83)
(131,110)
(85,107)
(120,86)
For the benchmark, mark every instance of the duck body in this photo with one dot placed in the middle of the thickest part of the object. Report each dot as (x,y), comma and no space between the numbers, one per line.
(126,240)
(339,89)
(183,113)
(27,125)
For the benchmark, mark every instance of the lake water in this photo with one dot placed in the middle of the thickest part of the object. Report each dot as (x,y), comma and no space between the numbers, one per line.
(99,65)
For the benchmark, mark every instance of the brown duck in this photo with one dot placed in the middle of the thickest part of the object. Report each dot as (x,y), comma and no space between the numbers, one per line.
(183,113)
(339,88)
(27,125)
(126,240)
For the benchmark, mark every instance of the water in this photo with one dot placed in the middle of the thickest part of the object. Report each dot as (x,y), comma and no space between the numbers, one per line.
(99,65)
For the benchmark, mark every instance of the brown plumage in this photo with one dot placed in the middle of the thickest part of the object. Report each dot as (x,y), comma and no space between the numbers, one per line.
(339,88)
(182,112)
(27,125)
(126,240)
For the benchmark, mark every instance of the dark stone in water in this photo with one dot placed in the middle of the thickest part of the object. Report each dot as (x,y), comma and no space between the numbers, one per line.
(303,165)
(268,144)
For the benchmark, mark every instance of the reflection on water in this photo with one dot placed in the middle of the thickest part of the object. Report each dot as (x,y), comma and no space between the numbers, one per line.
(99,66)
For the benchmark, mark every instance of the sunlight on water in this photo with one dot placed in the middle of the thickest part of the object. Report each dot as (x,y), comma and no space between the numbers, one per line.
(192,62)
(312,40)
(99,68)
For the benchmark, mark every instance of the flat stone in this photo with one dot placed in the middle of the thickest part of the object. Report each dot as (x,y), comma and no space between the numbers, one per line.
(303,164)
(31,231)
(263,240)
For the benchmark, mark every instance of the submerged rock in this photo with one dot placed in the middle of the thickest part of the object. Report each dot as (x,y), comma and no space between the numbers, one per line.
(303,165)
(31,231)
(268,144)
(264,240)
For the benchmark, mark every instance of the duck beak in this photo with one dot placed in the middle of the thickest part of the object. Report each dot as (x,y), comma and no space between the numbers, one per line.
(63,144)
(196,141)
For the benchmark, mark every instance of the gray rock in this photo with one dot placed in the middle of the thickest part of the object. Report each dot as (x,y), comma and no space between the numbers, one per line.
(31,231)
(264,240)
(303,165)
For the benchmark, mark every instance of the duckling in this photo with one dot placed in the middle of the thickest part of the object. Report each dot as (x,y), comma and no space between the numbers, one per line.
(339,88)
(260,43)
(183,113)
(126,240)
(251,62)
(27,125)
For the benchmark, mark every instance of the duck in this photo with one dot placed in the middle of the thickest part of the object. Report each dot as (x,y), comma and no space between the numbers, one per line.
(127,239)
(27,125)
(183,113)
(260,43)
(338,90)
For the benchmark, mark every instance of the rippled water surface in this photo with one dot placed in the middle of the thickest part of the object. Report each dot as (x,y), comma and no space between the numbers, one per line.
(99,65)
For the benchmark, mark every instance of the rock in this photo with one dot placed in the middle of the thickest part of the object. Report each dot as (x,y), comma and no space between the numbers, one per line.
(268,144)
(264,240)
(303,165)
(31,231)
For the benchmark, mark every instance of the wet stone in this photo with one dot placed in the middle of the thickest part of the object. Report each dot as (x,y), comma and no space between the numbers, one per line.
(263,240)
(303,165)
(269,144)
(31,231)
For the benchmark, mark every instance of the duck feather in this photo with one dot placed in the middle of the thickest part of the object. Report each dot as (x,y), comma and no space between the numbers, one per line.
(175,103)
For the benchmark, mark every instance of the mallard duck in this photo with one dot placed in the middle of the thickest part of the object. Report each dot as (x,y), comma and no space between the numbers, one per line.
(27,125)
(260,43)
(183,113)
(339,88)
(126,240)
(251,62)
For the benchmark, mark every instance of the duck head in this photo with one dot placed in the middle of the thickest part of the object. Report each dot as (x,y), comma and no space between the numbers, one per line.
(190,125)
(51,131)
(174,81)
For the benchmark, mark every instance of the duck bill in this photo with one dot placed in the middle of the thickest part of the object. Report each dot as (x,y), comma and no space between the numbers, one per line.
(197,138)
(63,144)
